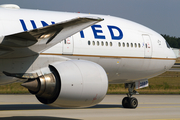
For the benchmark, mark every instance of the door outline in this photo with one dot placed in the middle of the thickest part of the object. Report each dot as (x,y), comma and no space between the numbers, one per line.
(68,46)
(147,46)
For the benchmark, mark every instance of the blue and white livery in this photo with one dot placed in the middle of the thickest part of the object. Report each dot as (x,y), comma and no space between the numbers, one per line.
(68,59)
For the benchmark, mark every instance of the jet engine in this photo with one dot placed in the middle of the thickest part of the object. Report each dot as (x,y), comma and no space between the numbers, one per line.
(73,83)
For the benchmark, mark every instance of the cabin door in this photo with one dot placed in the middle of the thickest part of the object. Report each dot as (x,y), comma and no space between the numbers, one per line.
(147,46)
(68,46)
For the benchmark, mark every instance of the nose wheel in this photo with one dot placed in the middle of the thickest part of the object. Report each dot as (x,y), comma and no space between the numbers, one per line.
(129,101)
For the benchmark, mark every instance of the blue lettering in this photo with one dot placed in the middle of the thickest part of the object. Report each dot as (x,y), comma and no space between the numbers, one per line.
(82,34)
(143,83)
(53,22)
(33,24)
(95,31)
(120,36)
(23,25)
(44,23)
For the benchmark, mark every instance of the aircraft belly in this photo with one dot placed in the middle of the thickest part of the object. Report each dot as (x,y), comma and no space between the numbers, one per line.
(111,66)
(119,70)
(131,70)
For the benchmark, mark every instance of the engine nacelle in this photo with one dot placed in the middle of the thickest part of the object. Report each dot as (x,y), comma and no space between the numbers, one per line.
(73,83)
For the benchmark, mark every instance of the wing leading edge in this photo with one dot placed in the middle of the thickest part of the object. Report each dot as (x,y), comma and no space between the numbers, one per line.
(35,41)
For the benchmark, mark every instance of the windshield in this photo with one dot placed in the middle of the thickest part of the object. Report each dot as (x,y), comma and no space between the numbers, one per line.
(168,45)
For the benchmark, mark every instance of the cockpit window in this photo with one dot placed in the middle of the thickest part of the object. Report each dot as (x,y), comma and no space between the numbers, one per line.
(168,45)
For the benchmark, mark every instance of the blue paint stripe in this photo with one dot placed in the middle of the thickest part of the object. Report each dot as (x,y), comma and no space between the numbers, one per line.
(23,25)
(82,34)
(44,23)
(33,24)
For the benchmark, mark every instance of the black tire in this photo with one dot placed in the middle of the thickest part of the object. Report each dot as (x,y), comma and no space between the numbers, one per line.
(125,102)
(133,102)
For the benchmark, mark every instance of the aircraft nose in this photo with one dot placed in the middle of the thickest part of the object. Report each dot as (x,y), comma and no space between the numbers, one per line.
(170,53)
(176,52)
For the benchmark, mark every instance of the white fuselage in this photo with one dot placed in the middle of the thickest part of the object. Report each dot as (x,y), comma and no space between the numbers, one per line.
(126,50)
(140,54)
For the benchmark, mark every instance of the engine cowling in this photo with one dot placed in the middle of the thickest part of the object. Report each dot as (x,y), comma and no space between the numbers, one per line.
(73,83)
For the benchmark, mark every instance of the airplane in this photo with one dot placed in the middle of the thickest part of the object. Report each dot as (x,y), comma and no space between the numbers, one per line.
(68,59)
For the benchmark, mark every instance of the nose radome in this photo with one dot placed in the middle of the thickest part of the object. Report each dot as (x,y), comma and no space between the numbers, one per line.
(176,52)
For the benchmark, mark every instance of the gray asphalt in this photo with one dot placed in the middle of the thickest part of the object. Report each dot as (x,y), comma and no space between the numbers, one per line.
(151,107)
(175,68)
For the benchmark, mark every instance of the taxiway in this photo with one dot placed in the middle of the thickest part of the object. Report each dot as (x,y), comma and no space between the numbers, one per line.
(151,107)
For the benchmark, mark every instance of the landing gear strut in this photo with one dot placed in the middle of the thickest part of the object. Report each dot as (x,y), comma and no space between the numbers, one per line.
(129,101)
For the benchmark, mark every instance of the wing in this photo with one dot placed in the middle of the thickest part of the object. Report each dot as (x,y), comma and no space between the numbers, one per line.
(35,41)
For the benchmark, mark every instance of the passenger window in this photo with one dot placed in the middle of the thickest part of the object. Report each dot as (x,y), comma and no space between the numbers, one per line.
(131,45)
(93,43)
(106,43)
(102,43)
(110,43)
(97,43)
(146,45)
(64,41)
(127,44)
(119,44)
(135,45)
(139,45)
(89,42)
(123,44)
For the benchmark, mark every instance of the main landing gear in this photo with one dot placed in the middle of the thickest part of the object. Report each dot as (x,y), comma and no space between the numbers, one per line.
(129,101)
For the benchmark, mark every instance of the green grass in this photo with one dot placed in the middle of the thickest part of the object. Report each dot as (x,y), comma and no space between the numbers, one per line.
(166,83)
(13,88)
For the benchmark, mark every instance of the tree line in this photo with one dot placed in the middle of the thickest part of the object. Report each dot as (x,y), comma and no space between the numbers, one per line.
(174,42)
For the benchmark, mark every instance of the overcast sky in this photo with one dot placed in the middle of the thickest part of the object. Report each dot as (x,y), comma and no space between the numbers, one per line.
(162,16)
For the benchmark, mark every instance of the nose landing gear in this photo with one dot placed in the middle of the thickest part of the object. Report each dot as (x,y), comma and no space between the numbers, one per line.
(129,101)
